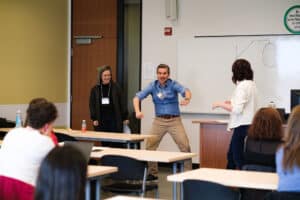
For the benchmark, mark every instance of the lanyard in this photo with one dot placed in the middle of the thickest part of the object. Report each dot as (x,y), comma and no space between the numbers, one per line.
(102,91)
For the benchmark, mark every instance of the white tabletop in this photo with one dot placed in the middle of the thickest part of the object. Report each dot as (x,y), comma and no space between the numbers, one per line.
(233,178)
(95,135)
(121,197)
(97,170)
(5,129)
(145,155)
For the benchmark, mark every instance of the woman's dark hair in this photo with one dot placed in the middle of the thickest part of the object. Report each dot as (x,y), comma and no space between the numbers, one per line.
(101,70)
(266,125)
(241,70)
(40,112)
(62,175)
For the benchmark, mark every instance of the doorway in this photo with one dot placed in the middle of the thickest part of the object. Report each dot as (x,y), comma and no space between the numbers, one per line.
(111,35)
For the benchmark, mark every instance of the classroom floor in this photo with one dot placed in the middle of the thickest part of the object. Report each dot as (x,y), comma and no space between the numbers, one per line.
(165,187)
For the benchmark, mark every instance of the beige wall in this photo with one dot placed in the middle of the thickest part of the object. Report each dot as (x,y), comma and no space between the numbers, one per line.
(33,50)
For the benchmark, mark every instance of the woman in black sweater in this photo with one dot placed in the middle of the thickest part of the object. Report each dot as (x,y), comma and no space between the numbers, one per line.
(107,106)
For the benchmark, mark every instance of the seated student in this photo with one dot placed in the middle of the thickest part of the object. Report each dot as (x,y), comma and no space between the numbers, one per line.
(264,136)
(288,155)
(51,134)
(62,175)
(23,149)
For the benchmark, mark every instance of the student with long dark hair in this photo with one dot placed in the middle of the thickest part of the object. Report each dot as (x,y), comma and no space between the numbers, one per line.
(62,175)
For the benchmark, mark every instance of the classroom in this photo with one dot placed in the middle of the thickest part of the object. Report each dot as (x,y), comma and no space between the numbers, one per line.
(40,49)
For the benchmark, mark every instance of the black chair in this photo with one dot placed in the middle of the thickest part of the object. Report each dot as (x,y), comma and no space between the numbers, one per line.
(282,196)
(64,137)
(204,190)
(130,177)
(259,155)
(260,152)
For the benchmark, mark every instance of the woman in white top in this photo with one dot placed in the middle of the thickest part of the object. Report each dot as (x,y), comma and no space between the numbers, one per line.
(242,107)
(23,149)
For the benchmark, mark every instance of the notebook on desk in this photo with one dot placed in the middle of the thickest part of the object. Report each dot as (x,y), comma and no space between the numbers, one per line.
(84,147)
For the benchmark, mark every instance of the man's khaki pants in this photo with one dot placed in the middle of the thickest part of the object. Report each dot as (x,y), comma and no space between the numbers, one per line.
(174,127)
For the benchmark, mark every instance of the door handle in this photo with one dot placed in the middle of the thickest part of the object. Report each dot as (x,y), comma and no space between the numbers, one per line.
(86,39)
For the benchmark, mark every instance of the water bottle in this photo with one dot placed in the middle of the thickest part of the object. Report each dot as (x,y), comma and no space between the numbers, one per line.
(83,126)
(18,119)
(272,104)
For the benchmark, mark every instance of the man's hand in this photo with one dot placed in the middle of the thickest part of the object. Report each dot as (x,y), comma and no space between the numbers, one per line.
(139,115)
(185,102)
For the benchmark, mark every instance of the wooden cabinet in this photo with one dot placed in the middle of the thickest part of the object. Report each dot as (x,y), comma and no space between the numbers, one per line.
(214,143)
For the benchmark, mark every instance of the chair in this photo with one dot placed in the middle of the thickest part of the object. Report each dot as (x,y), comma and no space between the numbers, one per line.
(11,188)
(131,176)
(260,152)
(64,137)
(259,155)
(204,190)
(275,195)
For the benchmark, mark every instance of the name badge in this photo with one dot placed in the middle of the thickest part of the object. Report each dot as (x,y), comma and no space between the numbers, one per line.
(160,95)
(105,101)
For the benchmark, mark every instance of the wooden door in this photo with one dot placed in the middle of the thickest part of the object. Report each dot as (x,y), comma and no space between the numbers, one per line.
(91,18)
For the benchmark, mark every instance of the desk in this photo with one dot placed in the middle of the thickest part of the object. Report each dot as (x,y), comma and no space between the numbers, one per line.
(177,158)
(106,136)
(5,129)
(96,172)
(101,136)
(121,197)
(231,178)
(214,143)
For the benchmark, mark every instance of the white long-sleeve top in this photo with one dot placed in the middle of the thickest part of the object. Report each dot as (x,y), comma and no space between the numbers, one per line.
(244,104)
(22,152)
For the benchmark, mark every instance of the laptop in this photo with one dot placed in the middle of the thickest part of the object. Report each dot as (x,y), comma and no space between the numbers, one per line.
(84,147)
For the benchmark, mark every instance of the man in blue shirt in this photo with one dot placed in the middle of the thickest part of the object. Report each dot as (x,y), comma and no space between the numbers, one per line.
(164,92)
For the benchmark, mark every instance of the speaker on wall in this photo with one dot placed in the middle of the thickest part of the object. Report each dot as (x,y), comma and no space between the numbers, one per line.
(171,9)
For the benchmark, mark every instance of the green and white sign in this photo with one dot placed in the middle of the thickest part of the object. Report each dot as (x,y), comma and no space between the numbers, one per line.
(292,19)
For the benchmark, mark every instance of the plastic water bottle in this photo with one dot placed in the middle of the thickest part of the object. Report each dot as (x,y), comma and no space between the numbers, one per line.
(272,104)
(83,126)
(18,119)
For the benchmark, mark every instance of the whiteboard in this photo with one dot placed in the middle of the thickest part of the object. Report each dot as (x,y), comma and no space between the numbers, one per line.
(204,66)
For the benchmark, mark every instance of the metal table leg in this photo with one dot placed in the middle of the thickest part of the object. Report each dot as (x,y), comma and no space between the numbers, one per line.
(98,189)
(88,190)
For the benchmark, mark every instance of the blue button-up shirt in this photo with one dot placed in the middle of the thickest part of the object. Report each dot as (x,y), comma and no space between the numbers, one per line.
(165,97)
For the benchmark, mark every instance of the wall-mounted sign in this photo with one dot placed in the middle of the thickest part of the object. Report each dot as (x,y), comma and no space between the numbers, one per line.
(292,19)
